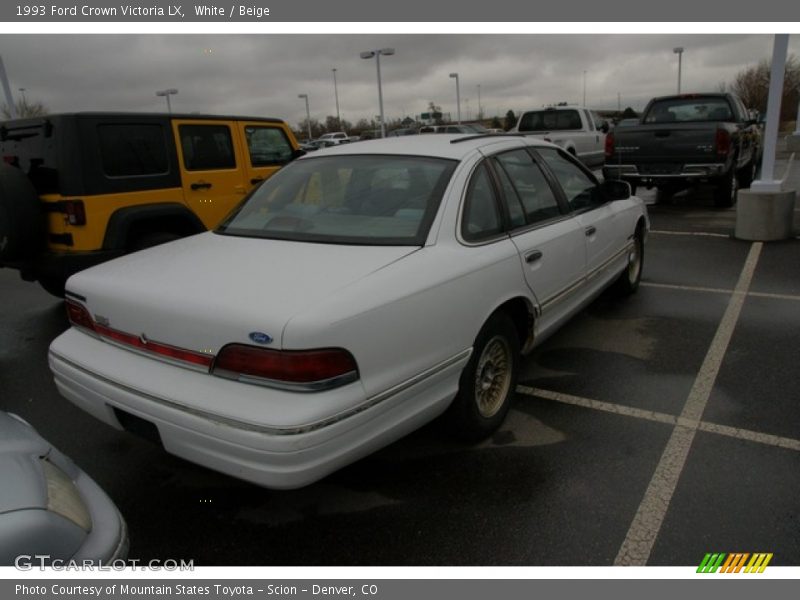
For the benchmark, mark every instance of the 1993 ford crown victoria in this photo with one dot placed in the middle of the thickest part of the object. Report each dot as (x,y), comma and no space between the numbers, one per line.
(353,297)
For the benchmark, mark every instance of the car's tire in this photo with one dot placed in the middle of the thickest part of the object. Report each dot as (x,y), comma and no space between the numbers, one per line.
(725,192)
(629,279)
(53,285)
(488,382)
(156,238)
(20,216)
(746,175)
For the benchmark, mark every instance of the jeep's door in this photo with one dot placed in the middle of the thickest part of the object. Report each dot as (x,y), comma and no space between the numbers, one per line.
(212,167)
(266,148)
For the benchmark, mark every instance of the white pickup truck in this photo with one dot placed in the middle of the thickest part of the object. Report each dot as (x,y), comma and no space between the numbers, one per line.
(336,137)
(575,128)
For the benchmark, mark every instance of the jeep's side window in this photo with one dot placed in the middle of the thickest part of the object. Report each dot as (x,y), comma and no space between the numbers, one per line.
(207,147)
(267,146)
(132,149)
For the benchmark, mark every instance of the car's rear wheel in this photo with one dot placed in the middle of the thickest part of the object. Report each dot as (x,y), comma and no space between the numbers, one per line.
(488,381)
(630,278)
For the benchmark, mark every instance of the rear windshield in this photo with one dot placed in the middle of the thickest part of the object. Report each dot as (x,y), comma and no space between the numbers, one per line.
(550,120)
(353,199)
(685,110)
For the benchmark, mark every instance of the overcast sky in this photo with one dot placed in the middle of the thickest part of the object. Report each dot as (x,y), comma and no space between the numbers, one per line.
(262,75)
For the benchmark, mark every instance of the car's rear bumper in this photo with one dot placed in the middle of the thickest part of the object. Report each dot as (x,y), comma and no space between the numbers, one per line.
(266,446)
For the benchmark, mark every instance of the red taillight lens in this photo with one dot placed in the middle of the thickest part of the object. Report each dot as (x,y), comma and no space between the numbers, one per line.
(294,369)
(723,142)
(75,211)
(609,145)
(79,316)
(142,343)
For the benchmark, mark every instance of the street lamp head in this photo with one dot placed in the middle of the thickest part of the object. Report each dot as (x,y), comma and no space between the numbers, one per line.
(678,50)
(368,54)
(302,95)
(168,92)
(454,75)
(386,51)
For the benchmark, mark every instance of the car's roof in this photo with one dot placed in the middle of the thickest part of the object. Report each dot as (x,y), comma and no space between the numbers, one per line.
(453,146)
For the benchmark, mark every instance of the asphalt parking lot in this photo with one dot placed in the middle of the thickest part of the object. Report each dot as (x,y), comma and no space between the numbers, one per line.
(649,430)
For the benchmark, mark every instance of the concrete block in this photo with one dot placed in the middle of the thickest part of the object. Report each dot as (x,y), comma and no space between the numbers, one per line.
(764,216)
(793,142)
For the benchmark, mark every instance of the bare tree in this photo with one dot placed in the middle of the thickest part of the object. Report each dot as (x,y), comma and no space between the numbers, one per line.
(752,86)
(26,109)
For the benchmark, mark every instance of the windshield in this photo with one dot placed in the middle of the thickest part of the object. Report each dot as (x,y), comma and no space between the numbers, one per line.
(550,120)
(348,199)
(683,110)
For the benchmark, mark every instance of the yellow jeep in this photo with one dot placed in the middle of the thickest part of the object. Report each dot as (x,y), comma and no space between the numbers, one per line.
(79,189)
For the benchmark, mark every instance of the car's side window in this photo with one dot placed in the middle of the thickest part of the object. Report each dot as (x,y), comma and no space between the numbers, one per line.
(267,146)
(582,191)
(481,219)
(530,186)
(207,147)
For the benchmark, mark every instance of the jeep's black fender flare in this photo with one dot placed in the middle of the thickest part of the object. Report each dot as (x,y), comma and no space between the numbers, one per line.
(127,223)
(21,217)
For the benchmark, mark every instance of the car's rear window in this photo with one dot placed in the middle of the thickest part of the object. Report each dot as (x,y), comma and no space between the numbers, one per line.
(550,120)
(684,110)
(347,199)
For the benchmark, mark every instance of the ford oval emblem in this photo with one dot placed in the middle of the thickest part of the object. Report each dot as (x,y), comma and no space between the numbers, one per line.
(260,338)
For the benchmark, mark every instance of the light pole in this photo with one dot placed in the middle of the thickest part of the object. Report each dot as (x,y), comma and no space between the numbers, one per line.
(336,94)
(167,93)
(679,52)
(24,100)
(308,114)
(377,54)
(458,97)
(584,87)
(480,109)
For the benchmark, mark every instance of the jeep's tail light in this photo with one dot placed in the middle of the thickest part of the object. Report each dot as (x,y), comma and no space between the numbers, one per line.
(79,316)
(302,370)
(722,142)
(75,211)
(609,144)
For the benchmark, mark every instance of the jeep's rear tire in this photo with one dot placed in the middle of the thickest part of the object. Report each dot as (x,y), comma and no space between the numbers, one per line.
(20,216)
(53,285)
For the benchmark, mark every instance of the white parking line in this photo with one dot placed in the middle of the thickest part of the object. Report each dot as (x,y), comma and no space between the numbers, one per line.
(694,288)
(638,543)
(659,417)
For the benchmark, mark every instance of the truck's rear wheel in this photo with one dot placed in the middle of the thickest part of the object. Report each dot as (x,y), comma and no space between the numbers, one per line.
(725,192)
(20,215)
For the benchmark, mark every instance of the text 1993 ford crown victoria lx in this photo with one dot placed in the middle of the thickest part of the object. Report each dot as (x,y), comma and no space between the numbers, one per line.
(353,297)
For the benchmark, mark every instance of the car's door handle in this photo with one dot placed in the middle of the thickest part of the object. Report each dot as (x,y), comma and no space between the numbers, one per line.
(200,185)
(256,180)
(591,230)
(533,256)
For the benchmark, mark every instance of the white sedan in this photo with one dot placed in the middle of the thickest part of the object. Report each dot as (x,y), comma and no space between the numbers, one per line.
(353,297)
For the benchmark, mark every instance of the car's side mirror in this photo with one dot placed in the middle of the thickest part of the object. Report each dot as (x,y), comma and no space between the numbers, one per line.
(616,189)
(298,153)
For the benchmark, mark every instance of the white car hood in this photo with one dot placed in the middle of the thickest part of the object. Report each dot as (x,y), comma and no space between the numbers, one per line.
(208,290)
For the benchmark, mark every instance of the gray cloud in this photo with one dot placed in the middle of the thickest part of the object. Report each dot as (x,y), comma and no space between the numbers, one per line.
(263,74)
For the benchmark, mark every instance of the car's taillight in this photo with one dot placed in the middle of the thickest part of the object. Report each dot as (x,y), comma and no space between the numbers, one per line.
(75,211)
(141,342)
(722,142)
(609,144)
(306,370)
(79,316)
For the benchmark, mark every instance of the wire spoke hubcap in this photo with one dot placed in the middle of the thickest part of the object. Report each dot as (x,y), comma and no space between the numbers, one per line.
(493,376)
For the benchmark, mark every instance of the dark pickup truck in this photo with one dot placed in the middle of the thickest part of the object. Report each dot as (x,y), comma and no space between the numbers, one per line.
(687,140)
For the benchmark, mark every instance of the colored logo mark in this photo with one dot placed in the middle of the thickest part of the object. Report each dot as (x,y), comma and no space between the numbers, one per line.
(735,562)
